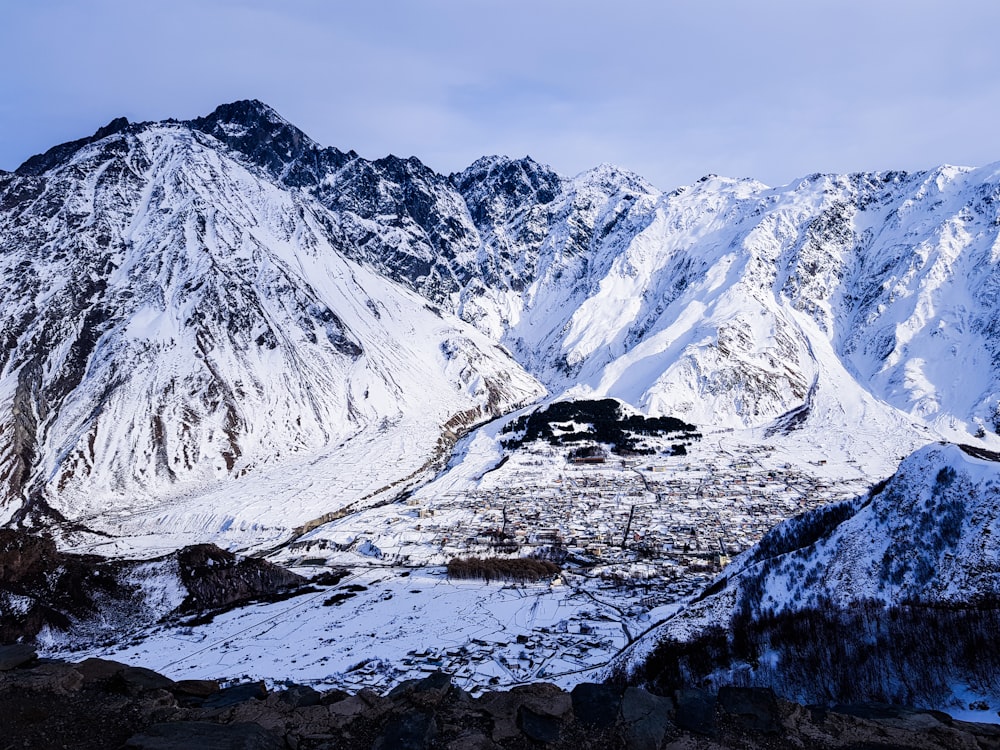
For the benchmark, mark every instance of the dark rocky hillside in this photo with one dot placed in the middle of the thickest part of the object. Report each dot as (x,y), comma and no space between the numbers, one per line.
(42,587)
(98,704)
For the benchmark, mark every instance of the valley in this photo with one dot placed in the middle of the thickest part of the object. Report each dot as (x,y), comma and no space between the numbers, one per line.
(398,616)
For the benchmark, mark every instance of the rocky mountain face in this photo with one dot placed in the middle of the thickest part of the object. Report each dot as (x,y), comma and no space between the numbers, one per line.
(46,594)
(892,597)
(173,314)
(186,302)
(725,301)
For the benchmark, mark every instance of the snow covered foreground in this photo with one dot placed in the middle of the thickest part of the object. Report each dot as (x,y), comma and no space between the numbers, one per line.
(403,624)
(398,615)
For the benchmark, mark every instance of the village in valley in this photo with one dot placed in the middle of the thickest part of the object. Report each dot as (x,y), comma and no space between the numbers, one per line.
(634,537)
(549,544)
(626,525)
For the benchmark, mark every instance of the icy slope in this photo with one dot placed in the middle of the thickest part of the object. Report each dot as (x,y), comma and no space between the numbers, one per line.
(171,317)
(719,304)
(928,534)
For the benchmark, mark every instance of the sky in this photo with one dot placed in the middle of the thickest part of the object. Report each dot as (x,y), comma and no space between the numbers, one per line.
(670,89)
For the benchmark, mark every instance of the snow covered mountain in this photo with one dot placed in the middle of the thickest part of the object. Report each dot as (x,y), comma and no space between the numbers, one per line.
(725,302)
(187,304)
(172,316)
(891,597)
(731,303)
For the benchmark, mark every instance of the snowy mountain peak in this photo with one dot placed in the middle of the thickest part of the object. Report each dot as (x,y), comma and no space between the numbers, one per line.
(250,114)
(58,155)
(255,130)
(240,265)
(611,178)
(512,177)
(172,319)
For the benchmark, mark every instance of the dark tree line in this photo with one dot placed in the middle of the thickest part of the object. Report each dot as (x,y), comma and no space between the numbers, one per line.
(518,569)
(907,654)
(608,426)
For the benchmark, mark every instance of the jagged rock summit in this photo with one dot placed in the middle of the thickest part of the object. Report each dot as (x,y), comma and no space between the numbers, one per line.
(174,317)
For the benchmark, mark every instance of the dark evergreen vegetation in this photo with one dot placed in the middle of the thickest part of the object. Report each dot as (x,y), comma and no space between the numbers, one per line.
(869,652)
(520,569)
(606,423)
(804,530)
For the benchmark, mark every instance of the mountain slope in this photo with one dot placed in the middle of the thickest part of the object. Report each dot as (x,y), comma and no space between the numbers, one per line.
(893,597)
(718,305)
(172,317)
(712,302)
(193,303)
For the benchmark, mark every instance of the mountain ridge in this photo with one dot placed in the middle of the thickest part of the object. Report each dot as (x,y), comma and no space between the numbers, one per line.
(208,282)
(837,300)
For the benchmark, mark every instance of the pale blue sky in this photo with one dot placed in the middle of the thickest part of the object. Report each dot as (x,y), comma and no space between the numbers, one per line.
(672,90)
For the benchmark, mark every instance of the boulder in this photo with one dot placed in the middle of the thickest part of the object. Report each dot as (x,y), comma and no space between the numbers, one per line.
(538,727)
(135,680)
(16,655)
(472,739)
(58,678)
(272,713)
(366,703)
(99,670)
(426,692)
(695,710)
(195,688)
(217,579)
(187,735)
(900,717)
(754,708)
(309,721)
(646,718)
(234,694)
(413,730)
(540,697)
(333,696)
(596,704)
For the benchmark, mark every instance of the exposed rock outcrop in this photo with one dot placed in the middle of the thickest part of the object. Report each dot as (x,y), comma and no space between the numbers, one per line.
(105,704)
(42,587)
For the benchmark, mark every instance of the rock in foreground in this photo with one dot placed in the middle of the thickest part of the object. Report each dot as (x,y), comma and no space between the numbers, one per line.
(104,704)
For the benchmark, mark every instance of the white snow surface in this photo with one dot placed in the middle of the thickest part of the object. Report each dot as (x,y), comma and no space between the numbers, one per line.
(400,623)
(193,343)
(220,348)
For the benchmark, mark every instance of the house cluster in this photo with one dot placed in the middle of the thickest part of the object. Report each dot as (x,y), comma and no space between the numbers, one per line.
(662,510)
(633,537)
